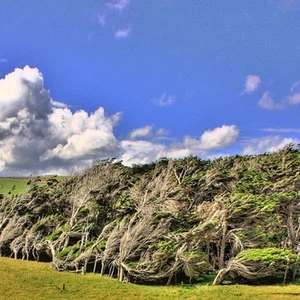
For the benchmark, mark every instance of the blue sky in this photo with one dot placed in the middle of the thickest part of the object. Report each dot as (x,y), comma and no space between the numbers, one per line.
(172,78)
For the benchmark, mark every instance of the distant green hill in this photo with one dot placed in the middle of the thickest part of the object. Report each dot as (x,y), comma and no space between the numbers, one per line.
(17,185)
(12,186)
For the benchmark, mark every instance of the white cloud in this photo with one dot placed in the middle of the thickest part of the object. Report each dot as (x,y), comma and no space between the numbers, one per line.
(267,102)
(36,135)
(140,152)
(58,104)
(252,83)
(216,138)
(123,33)
(3,60)
(164,100)
(267,144)
(85,137)
(114,16)
(119,5)
(146,131)
(293,98)
(219,137)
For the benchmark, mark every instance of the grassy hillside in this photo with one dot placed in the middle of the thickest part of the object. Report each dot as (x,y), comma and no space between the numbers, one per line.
(13,186)
(17,185)
(30,280)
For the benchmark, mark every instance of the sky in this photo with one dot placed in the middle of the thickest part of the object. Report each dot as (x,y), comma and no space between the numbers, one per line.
(138,80)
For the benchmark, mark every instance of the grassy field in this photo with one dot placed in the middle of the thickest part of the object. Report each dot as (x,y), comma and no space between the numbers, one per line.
(31,280)
(14,186)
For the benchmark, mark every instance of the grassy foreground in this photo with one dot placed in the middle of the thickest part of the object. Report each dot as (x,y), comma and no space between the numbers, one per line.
(31,280)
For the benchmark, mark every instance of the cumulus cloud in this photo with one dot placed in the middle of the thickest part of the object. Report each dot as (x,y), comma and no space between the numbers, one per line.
(164,100)
(38,133)
(123,33)
(84,136)
(252,83)
(216,138)
(140,152)
(267,144)
(146,131)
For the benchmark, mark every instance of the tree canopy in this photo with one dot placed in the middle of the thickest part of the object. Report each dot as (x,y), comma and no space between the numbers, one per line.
(169,221)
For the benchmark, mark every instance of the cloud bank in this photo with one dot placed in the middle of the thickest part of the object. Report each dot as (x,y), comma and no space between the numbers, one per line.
(39,134)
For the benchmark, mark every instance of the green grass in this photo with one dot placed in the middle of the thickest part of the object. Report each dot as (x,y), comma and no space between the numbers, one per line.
(13,186)
(31,280)
(16,185)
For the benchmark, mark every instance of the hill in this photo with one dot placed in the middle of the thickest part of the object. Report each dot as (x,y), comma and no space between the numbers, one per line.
(17,185)
(171,221)
(10,185)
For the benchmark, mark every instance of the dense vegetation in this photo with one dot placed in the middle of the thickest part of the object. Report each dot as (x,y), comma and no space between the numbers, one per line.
(166,222)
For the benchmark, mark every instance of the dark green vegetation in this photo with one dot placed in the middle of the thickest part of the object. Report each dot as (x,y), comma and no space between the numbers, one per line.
(171,221)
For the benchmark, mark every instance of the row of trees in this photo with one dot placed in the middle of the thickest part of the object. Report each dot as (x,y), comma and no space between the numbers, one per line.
(165,222)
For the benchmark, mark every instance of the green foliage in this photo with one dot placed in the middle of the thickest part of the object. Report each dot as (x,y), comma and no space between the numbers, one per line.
(54,235)
(169,247)
(69,253)
(266,255)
